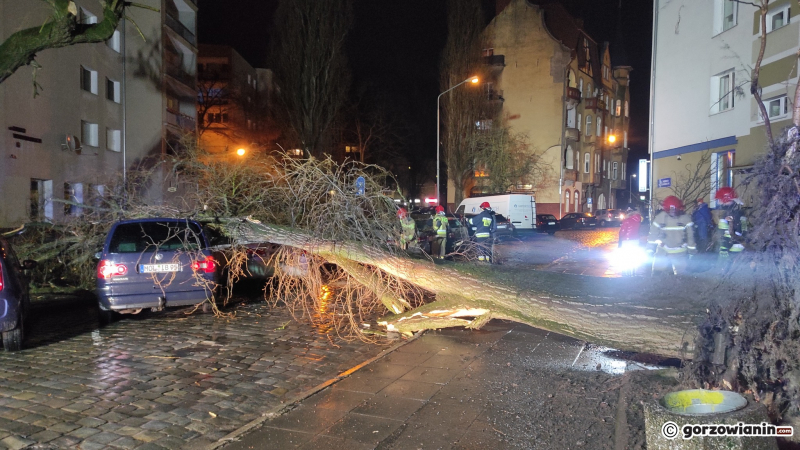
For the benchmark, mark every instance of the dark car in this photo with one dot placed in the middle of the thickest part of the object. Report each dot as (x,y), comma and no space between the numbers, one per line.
(607,217)
(14,296)
(154,263)
(456,232)
(547,223)
(504,229)
(578,220)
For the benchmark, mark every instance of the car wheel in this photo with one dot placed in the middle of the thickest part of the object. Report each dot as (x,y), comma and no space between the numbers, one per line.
(12,340)
(603,223)
(207,307)
(106,317)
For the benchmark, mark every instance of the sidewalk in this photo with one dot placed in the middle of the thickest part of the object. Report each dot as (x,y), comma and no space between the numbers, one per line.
(505,386)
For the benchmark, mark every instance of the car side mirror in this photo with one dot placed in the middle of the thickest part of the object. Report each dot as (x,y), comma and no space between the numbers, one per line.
(29,264)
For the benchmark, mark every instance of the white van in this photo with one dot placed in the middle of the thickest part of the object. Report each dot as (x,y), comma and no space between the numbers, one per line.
(520,209)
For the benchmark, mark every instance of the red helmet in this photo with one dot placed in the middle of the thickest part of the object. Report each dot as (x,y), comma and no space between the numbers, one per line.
(725,194)
(485,205)
(672,202)
(402,213)
(440,209)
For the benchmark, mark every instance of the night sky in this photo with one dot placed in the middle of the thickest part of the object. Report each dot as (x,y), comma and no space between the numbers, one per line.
(394,48)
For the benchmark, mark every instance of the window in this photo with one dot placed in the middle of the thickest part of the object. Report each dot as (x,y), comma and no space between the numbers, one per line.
(488,52)
(586,162)
(570,158)
(776,108)
(571,115)
(626,108)
(114,41)
(113,90)
(217,117)
(73,193)
(614,170)
(778,18)
(625,139)
(722,91)
(599,125)
(618,111)
(580,120)
(588,125)
(484,125)
(89,133)
(589,90)
(566,200)
(577,201)
(597,163)
(113,140)
(89,80)
(725,15)
(623,171)
(722,170)
(86,18)
(580,86)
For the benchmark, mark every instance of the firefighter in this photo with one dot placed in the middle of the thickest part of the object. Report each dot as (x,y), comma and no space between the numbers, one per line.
(485,226)
(408,233)
(729,228)
(671,237)
(440,228)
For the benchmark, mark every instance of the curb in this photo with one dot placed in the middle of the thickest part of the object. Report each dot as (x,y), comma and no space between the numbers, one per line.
(230,437)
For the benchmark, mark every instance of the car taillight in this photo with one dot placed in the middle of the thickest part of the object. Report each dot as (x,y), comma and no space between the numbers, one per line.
(1,276)
(207,265)
(107,269)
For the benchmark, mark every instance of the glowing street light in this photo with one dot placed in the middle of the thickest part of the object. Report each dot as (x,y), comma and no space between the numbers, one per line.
(611,138)
(240,152)
(473,80)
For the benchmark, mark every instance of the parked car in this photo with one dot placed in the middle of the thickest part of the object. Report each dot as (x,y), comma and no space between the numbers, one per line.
(547,223)
(259,255)
(14,297)
(154,263)
(578,220)
(456,232)
(607,217)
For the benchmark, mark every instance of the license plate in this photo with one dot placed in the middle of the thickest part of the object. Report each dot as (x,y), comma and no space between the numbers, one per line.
(592,224)
(159,268)
(551,223)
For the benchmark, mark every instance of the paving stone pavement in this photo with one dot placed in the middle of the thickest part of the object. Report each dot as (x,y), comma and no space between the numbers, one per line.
(164,380)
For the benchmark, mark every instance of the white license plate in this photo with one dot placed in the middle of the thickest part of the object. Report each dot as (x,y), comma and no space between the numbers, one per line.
(551,223)
(592,224)
(159,268)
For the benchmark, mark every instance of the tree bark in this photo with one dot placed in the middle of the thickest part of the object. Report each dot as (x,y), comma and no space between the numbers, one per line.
(469,295)
(61,30)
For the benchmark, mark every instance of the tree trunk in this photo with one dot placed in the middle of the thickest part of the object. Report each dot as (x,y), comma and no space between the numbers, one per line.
(469,295)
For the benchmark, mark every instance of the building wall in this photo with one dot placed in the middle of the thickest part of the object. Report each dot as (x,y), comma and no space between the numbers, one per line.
(685,119)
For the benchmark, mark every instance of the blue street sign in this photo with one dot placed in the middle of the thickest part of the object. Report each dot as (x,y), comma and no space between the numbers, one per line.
(360,186)
(664,182)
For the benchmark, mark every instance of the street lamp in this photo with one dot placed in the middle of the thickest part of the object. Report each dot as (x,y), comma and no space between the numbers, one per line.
(473,80)
(630,188)
(240,152)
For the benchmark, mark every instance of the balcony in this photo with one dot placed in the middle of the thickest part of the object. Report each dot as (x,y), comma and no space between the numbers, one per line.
(495,63)
(573,97)
(181,121)
(495,95)
(179,28)
(572,134)
(180,75)
(594,104)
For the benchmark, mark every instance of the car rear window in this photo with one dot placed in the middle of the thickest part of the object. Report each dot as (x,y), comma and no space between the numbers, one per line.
(548,217)
(141,237)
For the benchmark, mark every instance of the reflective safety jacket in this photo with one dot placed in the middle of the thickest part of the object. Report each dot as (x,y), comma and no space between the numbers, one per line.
(673,234)
(440,225)
(409,228)
(484,224)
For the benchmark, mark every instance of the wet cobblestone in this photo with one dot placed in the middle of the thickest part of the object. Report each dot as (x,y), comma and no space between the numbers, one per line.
(164,380)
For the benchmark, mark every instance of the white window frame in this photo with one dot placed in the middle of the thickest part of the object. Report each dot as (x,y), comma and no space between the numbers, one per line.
(570,157)
(89,133)
(587,162)
(92,74)
(783,107)
(625,139)
(626,108)
(615,170)
(721,21)
(114,94)
(597,163)
(772,14)
(73,192)
(114,41)
(580,86)
(589,90)
(723,101)
(580,119)
(618,109)
(623,170)
(113,140)
(599,126)
(588,125)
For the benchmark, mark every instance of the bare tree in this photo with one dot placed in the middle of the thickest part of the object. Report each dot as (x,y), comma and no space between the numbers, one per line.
(508,159)
(695,180)
(62,29)
(462,107)
(311,67)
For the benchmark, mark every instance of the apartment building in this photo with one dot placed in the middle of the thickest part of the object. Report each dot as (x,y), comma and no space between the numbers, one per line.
(703,54)
(560,88)
(101,108)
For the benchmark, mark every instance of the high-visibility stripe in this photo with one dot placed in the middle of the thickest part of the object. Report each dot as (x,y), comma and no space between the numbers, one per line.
(675,250)
(656,224)
(675,228)
(482,234)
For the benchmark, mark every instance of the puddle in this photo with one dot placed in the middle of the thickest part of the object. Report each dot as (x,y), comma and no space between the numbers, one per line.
(615,362)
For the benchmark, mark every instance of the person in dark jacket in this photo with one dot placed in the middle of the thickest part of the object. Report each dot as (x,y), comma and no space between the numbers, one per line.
(704,224)
(485,226)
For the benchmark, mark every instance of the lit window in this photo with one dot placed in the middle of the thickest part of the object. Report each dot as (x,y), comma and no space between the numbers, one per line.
(570,158)
(113,140)
(73,193)
(488,52)
(586,162)
(114,41)
(626,108)
(588,125)
(619,108)
(113,90)
(625,139)
(89,80)
(589,90)
(722,91)
(599,125)
(614,170)
(778,18)
(89,133)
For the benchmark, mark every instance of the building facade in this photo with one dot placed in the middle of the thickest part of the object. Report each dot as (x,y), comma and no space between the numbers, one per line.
(560,89)
(702,111)
(101,108)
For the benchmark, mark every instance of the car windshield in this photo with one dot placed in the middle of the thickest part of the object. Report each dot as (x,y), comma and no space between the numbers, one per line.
(500,218)
(148,237)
